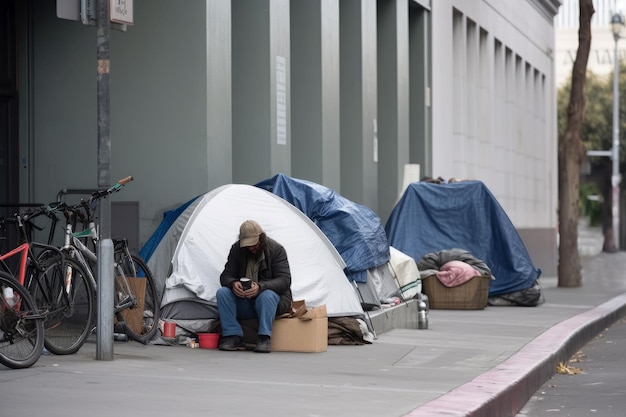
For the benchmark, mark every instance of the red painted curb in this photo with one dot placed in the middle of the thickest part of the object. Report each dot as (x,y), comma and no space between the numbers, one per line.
(504,390)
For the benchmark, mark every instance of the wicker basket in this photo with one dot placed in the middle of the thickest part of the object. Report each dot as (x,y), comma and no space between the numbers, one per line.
(471,295)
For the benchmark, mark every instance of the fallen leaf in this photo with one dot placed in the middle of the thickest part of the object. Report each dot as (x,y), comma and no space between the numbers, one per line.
(565,369)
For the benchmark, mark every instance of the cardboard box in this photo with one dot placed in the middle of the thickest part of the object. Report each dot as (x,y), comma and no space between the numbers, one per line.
(305,333)
(296,335)
(134,316)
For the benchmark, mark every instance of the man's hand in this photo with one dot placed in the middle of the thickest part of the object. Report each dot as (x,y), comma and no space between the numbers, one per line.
(251,293)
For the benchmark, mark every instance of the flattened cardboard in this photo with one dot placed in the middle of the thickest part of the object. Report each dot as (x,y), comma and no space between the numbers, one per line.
(134,316)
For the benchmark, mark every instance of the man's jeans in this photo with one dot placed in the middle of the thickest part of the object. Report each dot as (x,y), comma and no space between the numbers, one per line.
(232,308)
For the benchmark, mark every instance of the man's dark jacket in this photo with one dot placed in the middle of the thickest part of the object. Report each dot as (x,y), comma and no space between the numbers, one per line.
(274,273)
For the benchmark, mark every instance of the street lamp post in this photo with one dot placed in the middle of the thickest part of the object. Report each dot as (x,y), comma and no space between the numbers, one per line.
(617,24)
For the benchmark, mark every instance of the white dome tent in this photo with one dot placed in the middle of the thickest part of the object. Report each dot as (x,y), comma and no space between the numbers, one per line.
(210,225)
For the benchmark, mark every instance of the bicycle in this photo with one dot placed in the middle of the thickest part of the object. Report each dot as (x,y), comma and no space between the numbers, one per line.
(58,286)
(136,300)
(21,325)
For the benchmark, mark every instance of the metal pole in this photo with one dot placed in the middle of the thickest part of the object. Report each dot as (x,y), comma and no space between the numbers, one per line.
(104,329)
(615,177)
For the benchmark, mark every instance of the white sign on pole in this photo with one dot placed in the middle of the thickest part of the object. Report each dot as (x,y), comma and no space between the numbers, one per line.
(122,11)
(281,100)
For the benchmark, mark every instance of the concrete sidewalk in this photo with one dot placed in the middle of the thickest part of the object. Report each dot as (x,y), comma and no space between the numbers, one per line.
(484,363)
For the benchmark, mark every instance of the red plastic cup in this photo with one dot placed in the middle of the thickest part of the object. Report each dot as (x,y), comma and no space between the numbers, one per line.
(169,329)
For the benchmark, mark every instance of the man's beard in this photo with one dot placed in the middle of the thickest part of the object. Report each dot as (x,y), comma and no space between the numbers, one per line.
(256,256)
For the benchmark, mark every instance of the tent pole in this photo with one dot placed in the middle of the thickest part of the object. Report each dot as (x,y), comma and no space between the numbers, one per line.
(367,314)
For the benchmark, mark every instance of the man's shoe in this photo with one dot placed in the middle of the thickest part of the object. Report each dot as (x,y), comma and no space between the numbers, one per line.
(231,343)
(263,344)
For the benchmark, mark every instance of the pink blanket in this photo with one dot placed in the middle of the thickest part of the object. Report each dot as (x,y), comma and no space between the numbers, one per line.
(455,273)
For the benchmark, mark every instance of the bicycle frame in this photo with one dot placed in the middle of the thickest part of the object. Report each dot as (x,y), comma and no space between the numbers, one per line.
(22,250)
(25,253)
(88,259)
(79,252)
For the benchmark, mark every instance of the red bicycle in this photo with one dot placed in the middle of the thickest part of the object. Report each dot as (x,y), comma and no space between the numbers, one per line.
(21,324)
(58,286)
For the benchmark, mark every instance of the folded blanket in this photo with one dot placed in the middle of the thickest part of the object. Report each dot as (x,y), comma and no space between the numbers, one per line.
(455,273)
(432,262)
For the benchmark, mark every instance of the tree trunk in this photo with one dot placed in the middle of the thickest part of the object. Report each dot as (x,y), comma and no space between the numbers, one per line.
(571,152)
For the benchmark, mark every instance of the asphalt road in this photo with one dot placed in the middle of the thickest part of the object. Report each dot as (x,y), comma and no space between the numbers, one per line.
(598,390)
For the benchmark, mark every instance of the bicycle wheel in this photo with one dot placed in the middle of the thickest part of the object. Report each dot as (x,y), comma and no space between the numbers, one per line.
(139,322)
(21,325)
(67,296)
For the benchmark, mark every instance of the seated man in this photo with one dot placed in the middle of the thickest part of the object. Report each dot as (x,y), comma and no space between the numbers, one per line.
(264,262)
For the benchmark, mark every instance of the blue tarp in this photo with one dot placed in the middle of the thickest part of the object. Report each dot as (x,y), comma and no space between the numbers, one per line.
(356,231)
(434,217)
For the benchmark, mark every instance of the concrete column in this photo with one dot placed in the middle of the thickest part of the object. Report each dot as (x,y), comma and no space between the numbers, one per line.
(315,111)
(261,89)
(219,94)
(421,149)
(359,124)
(393,100)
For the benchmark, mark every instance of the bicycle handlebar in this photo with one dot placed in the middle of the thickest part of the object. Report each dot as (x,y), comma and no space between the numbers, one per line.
(26,218)
(82,211)
(31,214)
(68,211)
(118,186)
(123,181)
(24,221)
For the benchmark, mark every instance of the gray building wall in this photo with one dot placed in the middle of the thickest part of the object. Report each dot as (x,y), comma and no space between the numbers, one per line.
(358,104)
(315,114)
(261,89)
(393,101)
(343,93)
(159,107)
